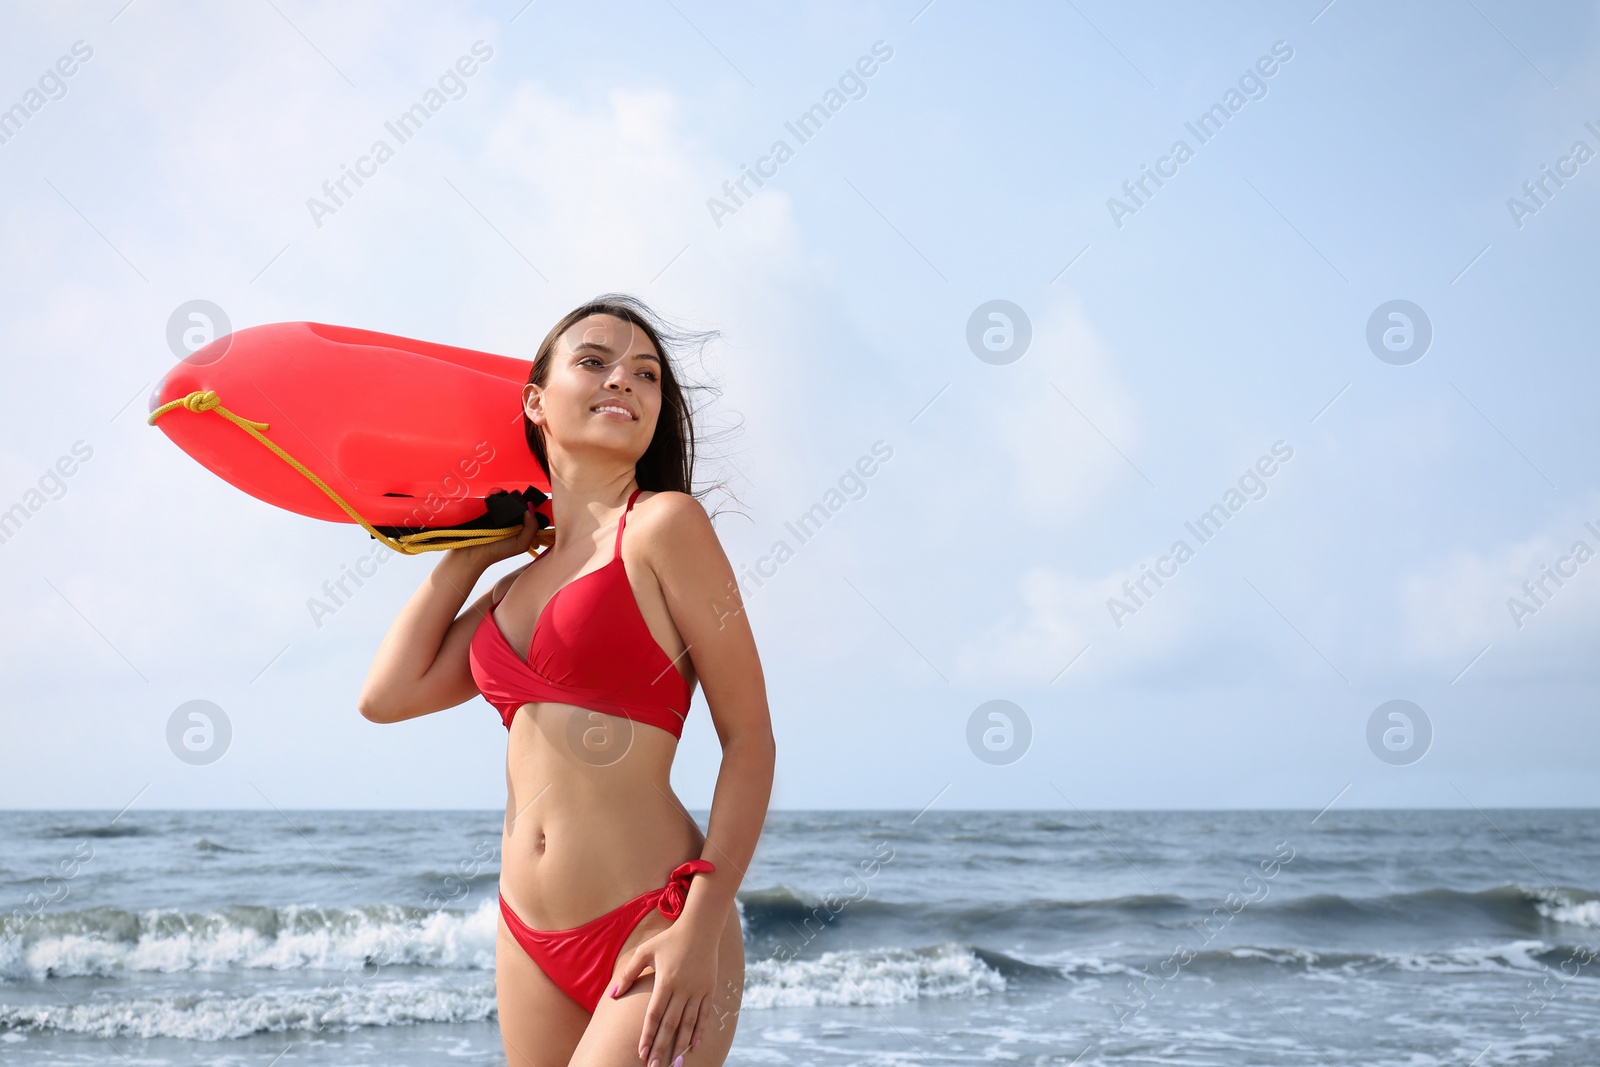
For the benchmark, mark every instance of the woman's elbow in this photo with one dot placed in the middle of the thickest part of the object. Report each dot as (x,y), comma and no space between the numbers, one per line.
(758,744)
(374,709)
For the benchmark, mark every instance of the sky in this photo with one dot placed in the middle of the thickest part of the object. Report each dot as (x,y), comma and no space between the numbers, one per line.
(1086,273)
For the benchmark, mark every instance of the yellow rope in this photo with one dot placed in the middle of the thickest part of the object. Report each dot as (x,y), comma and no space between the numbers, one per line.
(411,544)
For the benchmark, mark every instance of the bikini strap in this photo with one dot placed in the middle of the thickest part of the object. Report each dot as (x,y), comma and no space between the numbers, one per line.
(623,522)
(675,893)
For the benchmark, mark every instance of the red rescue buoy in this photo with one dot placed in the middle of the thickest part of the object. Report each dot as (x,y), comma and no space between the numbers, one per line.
(420,443)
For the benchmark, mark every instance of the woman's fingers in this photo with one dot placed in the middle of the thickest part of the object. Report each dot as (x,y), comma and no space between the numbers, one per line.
(638,959)
(684,1039)
(493,552)
(659,1033)
(530,530)
(705,1010)
(652,1019)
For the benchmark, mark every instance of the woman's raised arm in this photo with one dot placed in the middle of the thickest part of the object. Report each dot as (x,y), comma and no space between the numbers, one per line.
(421,665)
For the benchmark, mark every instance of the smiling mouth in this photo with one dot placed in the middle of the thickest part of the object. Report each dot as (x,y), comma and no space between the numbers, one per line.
(617,409)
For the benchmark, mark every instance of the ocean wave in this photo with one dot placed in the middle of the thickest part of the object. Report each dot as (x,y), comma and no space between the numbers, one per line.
(871,978)
(1512,904)
(778,905)
(214,1016)
(876,977)
(97,831)
(106,941)
(1520,956)
(109,941)
(1568,906)
(205,844)
(854,978)
(780,909)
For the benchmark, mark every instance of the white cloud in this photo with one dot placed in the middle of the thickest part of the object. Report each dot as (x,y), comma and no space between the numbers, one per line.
(1062,614)
(1459,602)
(1058,461)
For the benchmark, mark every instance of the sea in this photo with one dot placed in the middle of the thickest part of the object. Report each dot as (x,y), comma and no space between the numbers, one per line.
(1368,937)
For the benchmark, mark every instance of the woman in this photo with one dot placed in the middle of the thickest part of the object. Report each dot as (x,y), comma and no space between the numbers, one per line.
(604,874)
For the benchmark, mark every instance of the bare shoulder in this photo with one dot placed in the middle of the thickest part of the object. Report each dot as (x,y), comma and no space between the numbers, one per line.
(672,525)
(669,512)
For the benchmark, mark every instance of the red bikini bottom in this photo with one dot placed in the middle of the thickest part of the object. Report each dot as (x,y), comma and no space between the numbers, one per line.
(580,960)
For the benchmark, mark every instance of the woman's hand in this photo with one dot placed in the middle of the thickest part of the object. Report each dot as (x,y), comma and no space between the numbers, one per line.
(482,557)
(685,962)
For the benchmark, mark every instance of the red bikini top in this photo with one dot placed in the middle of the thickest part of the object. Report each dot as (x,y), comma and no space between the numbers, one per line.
(591,648)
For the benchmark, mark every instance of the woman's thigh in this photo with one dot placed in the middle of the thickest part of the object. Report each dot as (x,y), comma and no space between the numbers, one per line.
(612,1039)
(539,1023)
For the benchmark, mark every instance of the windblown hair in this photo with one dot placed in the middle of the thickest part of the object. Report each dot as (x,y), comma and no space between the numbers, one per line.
(668,464)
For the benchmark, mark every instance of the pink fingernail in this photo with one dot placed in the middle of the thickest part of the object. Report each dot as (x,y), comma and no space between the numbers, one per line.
(613,991)
(679,1061)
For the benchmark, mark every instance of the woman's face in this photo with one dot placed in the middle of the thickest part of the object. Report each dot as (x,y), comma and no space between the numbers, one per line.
(603,390)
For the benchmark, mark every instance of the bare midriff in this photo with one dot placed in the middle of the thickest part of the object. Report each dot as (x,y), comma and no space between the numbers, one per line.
(591,820)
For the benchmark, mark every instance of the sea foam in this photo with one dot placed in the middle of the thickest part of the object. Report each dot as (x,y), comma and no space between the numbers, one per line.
(213,1016)
(108,942)
(875,977)
(872,978)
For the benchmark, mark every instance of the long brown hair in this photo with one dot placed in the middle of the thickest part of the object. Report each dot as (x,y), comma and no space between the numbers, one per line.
(668,464)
